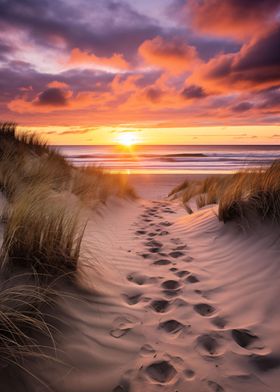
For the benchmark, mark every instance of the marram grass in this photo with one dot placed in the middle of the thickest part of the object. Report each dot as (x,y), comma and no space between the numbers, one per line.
(244,196)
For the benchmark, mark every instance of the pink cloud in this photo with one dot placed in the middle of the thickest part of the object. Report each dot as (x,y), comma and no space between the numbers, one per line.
(234,18)
(173,55)
(79,57)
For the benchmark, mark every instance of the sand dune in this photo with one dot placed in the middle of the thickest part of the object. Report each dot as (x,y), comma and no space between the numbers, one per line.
(179,303)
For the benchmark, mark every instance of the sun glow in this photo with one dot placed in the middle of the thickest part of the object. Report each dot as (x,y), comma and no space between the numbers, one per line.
(127,139)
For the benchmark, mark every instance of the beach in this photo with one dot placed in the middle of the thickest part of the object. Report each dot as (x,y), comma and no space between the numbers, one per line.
(129,282)
(183,303)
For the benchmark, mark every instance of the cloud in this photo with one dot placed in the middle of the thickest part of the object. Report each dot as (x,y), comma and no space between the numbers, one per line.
(255,66)
(52,97)
(194,92)
(58,84)
(242,107)
(153,94)
(116,61)
(233,18)
(99,27)
(270,101)
(173,55)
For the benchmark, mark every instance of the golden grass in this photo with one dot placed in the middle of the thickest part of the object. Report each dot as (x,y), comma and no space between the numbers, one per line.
(252,195)
(42,233)
(245,195)
(92,185)
(26,159)
(21,311)
(179,188)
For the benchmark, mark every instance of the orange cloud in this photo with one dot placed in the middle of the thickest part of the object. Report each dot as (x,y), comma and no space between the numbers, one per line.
(255,66)
(57,84)
(120,86)
(54,99)
(116,61)
(234,18)
(172,55)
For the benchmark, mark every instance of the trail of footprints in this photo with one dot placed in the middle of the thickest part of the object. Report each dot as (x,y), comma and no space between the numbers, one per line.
(163,371)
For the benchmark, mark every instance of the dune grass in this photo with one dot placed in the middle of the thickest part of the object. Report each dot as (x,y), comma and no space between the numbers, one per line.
(244,196)
(26,159)
(43,232)
(252,195)
(22,319)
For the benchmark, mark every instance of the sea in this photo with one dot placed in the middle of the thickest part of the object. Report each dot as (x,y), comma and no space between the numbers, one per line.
(172,159)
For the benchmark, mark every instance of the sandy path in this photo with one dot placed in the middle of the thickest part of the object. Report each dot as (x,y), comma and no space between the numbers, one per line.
(191,297)
(180,303)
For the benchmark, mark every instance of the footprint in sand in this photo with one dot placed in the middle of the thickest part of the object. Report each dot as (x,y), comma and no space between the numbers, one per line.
(153,243)
(204,309)
(189,374)
(170,285)
(208,344)
(244,338)
(182,274)
(171,326)
(140,232)
(175,254)
(122,325)
(166,223)
(160,305)
(181,247)
(132,299)
(154,250)
(168,211)
(140,279)
(171,288)
(163,233)
(176,241)
(145,255)
(161,371)
(218,321)
(192,279)
(162,262)
(214,386)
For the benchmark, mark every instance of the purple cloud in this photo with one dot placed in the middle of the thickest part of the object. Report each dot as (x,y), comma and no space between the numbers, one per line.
(53,97)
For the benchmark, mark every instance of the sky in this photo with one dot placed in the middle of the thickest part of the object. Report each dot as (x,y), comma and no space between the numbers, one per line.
(151,71)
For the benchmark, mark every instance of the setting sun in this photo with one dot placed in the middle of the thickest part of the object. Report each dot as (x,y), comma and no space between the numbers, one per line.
(127,139)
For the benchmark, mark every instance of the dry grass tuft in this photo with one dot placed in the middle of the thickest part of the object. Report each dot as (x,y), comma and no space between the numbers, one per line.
(246,195)
(21,319)
(252,195)
(93,185)
(42,234)
(179,188)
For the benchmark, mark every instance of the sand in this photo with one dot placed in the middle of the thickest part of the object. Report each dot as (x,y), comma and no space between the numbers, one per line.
(179,303)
